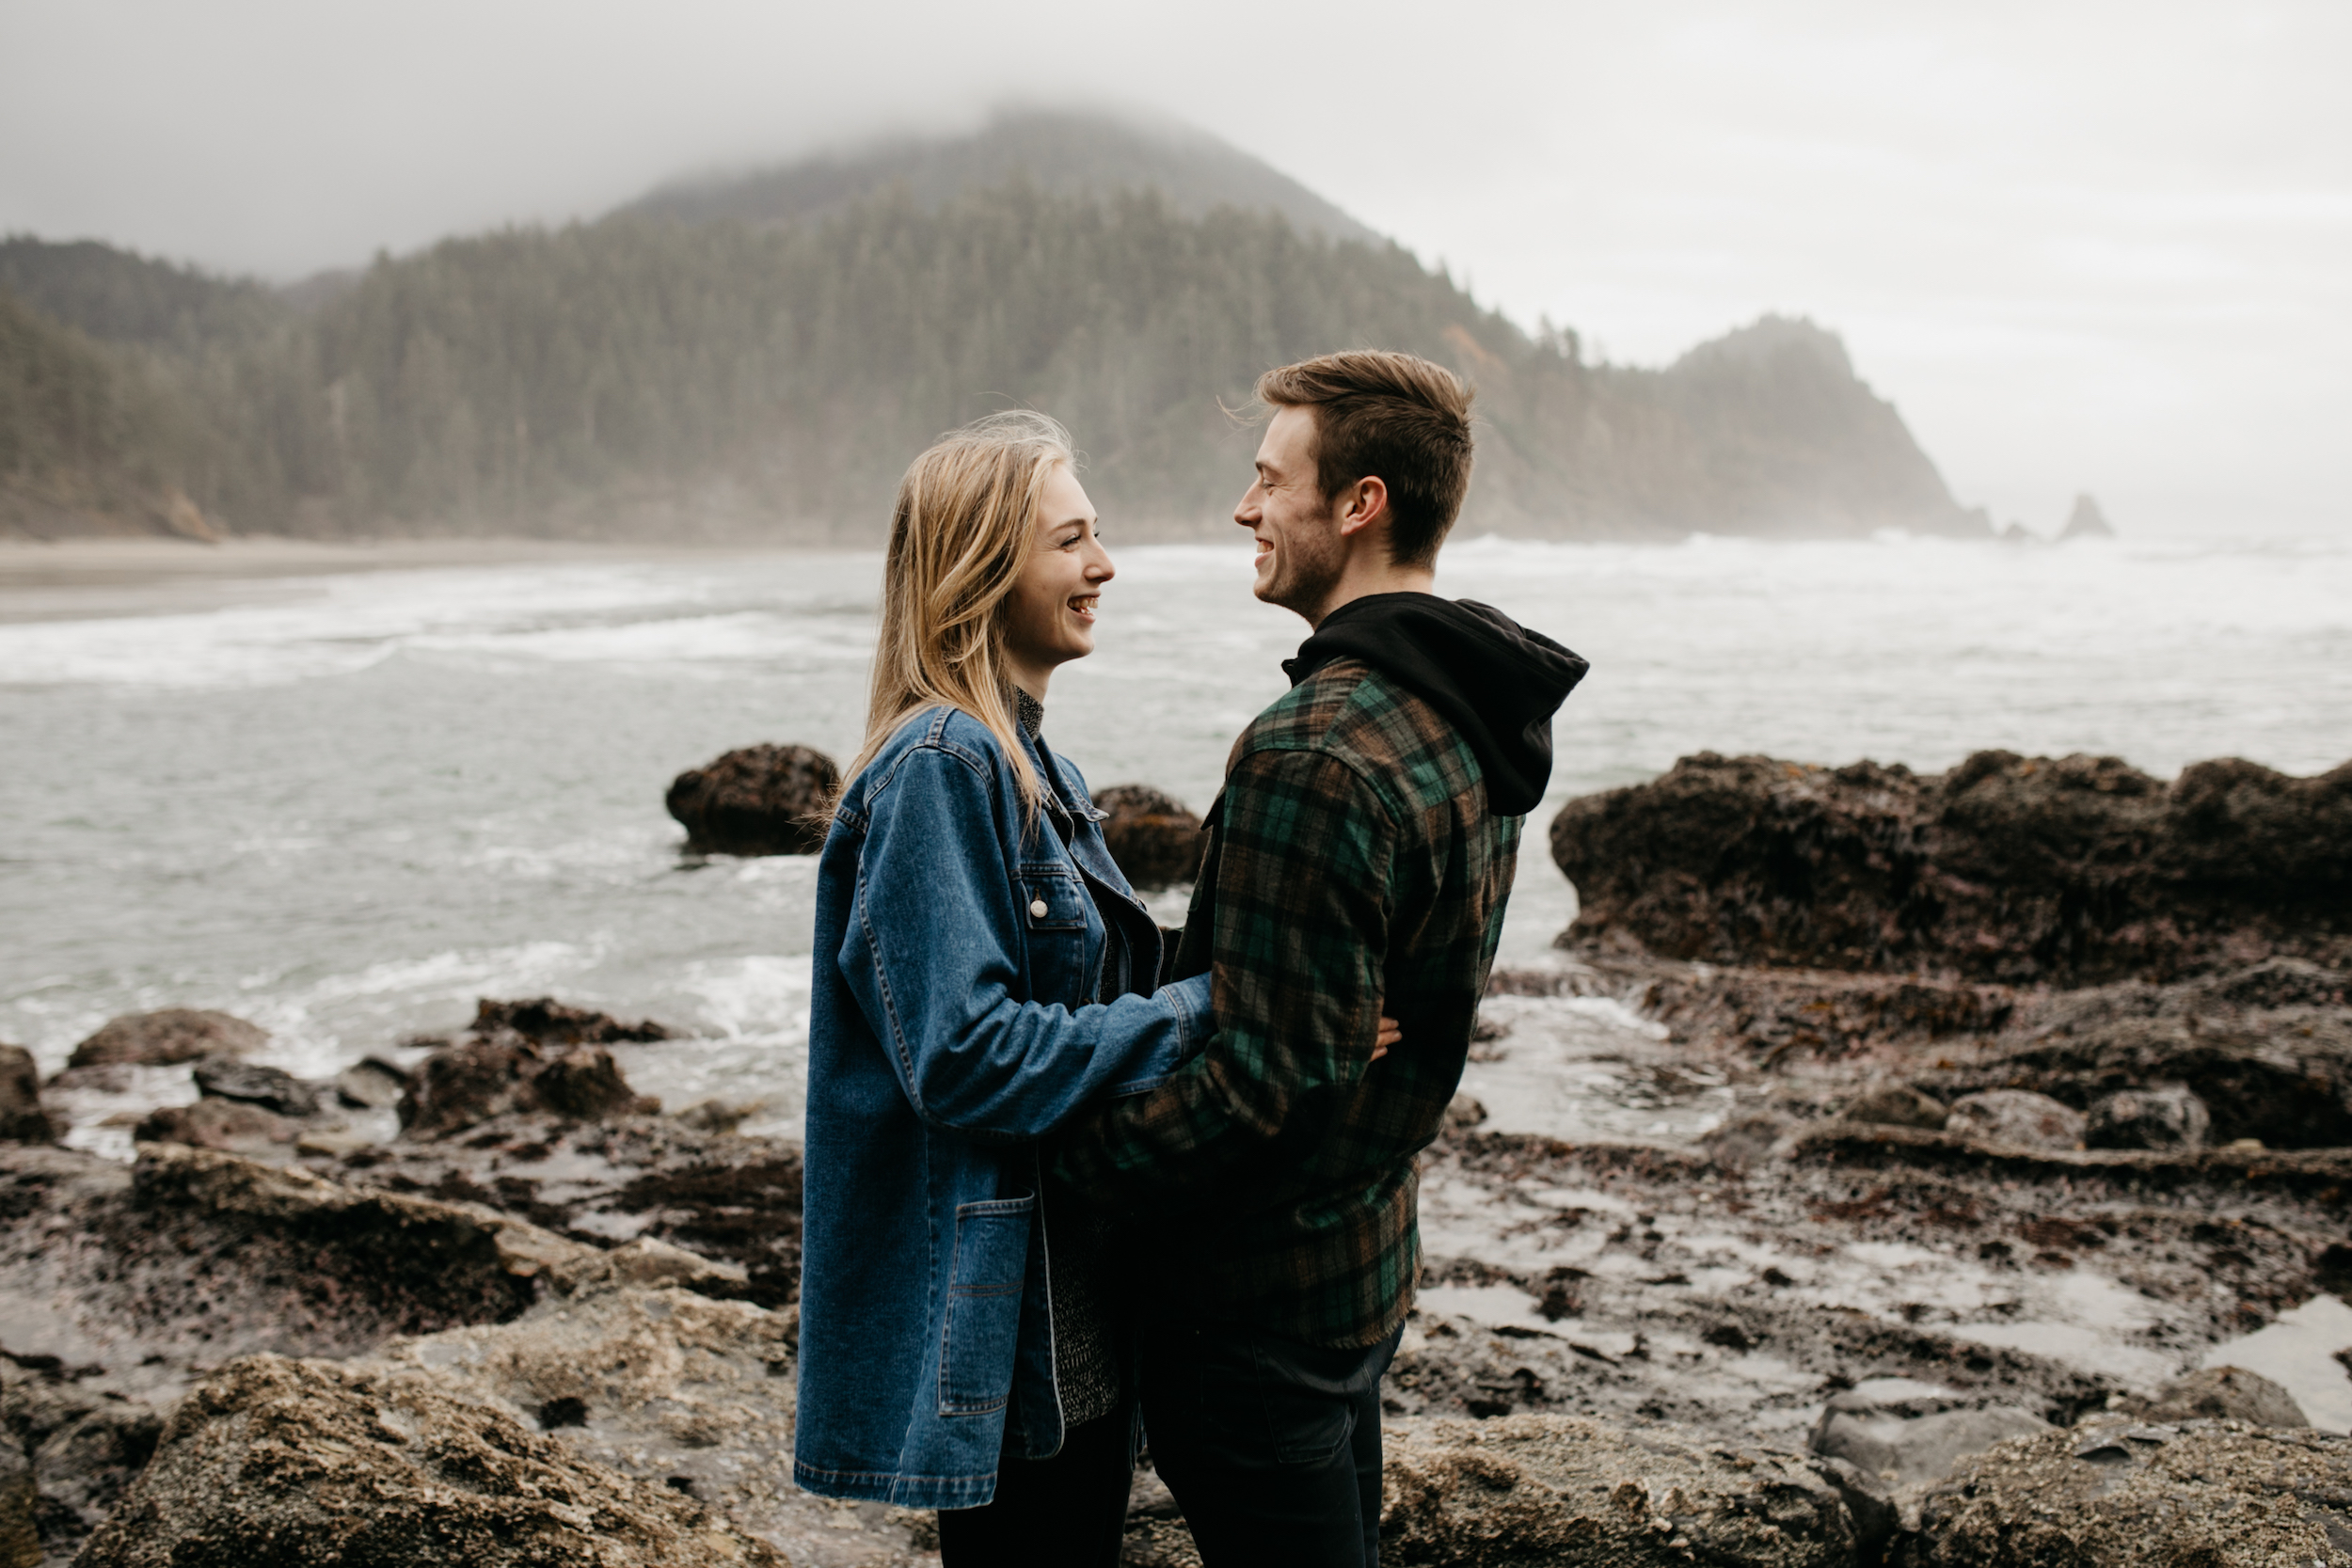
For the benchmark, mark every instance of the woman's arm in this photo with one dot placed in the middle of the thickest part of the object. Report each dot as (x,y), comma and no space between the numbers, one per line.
(933,956)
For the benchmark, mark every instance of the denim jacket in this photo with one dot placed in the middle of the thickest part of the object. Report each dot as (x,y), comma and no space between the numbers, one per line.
(951,1025)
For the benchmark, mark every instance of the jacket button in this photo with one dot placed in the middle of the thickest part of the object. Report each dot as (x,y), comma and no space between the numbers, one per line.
(1038,910)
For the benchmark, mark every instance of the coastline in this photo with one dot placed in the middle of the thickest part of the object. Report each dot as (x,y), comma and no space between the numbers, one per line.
(101,578)
(29,563)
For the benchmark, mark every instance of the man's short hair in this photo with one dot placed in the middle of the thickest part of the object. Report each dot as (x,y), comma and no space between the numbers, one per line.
(1393,417)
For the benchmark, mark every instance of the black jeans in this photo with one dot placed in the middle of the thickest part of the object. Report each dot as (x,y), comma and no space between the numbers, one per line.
(1271,1446)
(1067,1511)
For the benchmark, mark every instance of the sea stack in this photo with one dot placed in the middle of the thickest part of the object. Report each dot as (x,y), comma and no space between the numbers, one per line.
(2087,521)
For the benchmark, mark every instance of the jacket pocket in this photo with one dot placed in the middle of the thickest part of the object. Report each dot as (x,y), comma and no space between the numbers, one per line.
(1053,923)
(982,1326)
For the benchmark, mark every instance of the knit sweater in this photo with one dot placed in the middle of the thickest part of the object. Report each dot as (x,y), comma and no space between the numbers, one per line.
(1086,1349)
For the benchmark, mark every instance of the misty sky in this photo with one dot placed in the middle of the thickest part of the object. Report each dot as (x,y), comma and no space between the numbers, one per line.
(2081,247)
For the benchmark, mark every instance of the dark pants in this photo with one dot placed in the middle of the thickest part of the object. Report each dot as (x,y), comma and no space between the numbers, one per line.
(1271,1446)
(1067,1511)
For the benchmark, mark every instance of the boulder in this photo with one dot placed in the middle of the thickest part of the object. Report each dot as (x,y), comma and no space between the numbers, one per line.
(273,1462)
(732,1198)
(81,1449)
(2117,1492)
(547,1021)
(163,1038)
(2222,1393)
(1876,1514)
(477,1261)
(371,1084)
(758,801)
(1897,1449)
(2164,1117)
(662,1385)
(1897,1105)
(1156,841)
(269,1087)
(20,1511)
(2029,869)
(467,1083)
(2016,1117)
(1543,1489)
(157,1272)
(22,1119)
(223,1124)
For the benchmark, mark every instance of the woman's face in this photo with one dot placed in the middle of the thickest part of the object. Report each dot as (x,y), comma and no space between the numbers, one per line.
(1049,617)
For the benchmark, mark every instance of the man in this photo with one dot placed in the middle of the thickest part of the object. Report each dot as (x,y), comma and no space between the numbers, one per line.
(1360,855)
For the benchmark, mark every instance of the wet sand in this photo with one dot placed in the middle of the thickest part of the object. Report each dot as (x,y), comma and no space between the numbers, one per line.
(95,578)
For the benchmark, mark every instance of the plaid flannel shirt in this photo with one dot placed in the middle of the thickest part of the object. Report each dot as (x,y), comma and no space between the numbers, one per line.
(1353,866)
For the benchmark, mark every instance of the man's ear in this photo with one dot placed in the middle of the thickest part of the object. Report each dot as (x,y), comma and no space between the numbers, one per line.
(1363,504)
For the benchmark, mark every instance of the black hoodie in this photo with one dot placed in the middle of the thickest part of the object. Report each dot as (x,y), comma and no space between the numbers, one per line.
(1495,681)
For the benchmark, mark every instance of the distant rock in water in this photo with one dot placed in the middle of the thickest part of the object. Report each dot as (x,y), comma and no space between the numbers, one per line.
(455,1089)
(2087,521)
(531,1057)
(545,1018)
(232,1126)
(170,1035)
(2070,871)
(271,1088)
(371,1084)
(1156,841)
(759,800)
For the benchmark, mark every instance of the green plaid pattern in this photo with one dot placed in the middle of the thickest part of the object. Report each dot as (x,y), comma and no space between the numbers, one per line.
(1353,865)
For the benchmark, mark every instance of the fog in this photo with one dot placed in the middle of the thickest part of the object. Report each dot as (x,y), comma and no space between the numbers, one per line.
(2105,249)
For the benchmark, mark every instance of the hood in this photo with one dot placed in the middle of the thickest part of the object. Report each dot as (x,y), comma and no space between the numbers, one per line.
(1495,681)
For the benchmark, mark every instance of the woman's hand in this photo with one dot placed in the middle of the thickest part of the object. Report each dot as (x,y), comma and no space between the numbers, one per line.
(1389,1035)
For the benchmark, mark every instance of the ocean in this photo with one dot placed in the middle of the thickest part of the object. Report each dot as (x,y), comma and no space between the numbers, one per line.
(346,805)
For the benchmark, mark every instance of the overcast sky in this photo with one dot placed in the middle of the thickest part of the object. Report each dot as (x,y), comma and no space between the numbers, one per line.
(2081,247)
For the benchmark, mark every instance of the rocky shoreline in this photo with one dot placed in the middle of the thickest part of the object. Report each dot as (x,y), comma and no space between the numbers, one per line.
(1934,1287)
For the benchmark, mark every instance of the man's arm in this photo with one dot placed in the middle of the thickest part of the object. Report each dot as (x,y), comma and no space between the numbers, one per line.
(1297,951)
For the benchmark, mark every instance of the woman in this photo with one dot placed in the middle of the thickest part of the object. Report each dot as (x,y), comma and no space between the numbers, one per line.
(982,971)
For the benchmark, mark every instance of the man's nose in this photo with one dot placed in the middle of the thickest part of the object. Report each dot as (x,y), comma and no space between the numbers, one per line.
(1247,514)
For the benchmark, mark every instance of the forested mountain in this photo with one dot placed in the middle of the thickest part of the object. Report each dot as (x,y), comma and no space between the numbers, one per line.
(119,297)
(87,435)
(654,377)
(1063,154)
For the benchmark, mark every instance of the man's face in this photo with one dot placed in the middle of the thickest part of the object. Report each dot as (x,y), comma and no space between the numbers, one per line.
(1300,556)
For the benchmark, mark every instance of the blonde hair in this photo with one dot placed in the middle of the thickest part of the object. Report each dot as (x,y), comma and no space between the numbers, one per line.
(960,536)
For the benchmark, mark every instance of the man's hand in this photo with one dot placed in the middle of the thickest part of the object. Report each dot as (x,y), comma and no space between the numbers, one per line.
(1389,1035)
